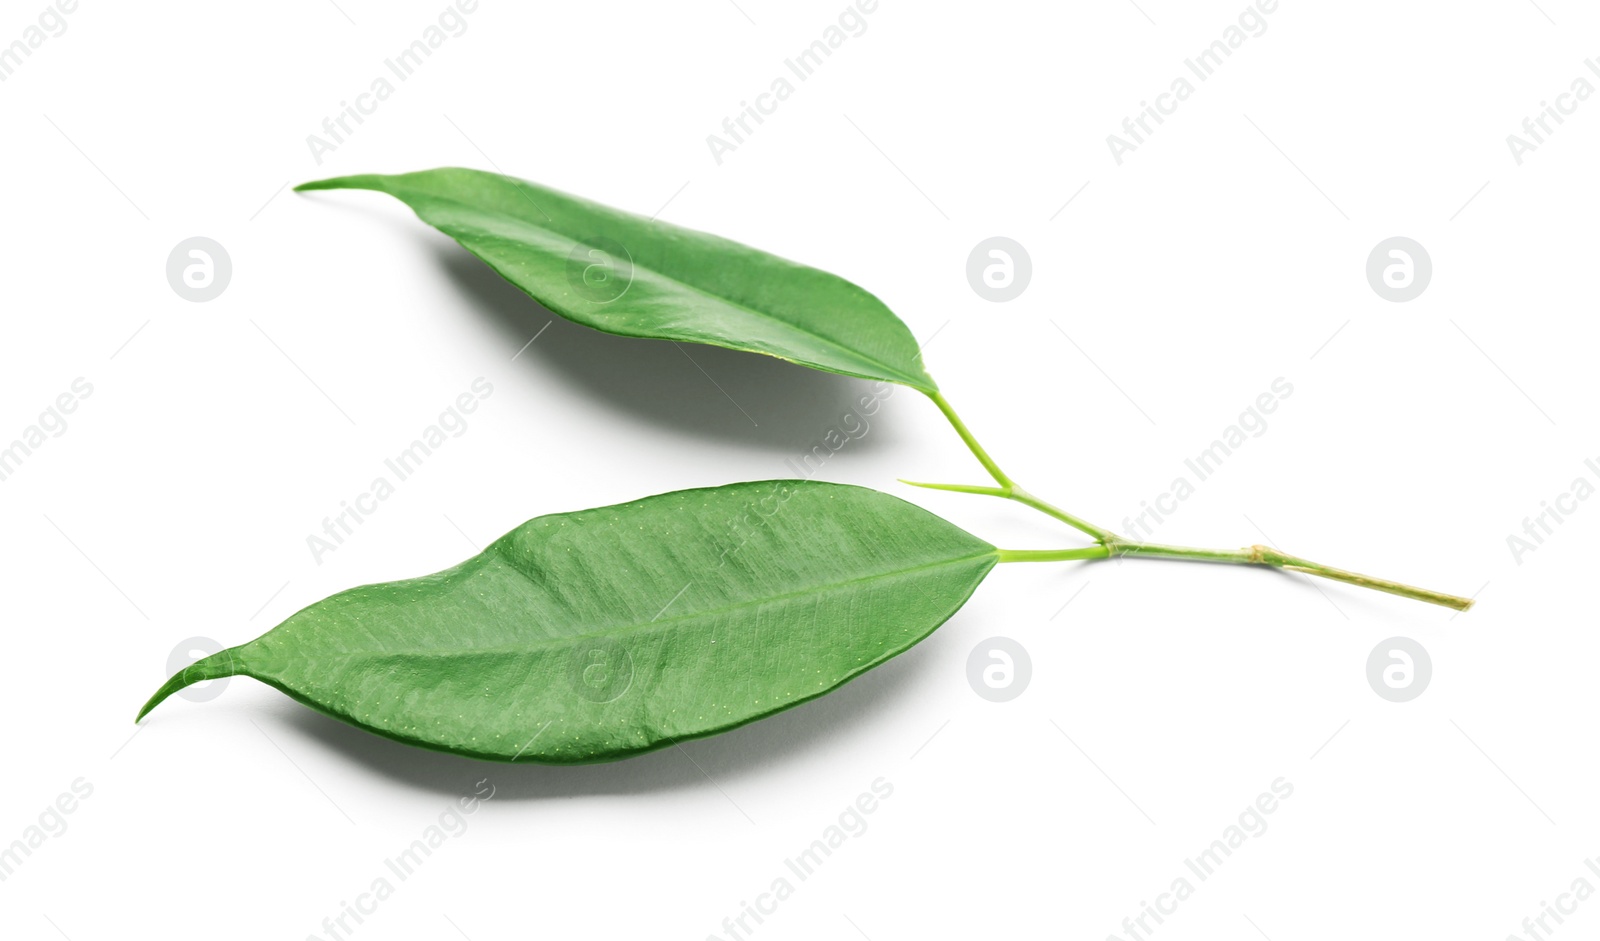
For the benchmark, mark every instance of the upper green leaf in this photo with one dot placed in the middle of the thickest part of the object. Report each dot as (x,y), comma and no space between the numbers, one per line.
(633,276)
(604,633)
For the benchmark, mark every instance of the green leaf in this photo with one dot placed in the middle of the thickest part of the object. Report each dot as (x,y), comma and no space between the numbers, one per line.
(633,276)
(601,634)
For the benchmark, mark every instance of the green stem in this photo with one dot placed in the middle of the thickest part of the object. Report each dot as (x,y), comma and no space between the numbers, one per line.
(1054,555)
(1008,489)
(972,443)
(1266,555)
(1027,499)
(1109,544)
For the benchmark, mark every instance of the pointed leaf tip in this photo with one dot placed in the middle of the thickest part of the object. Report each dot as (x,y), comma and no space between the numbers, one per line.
(215,667)
(363,181)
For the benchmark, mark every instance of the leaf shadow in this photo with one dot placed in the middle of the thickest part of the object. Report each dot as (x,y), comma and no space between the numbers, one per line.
(705,391)
(783,738)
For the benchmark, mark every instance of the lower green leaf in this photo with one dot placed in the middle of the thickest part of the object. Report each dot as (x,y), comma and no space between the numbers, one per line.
(605,633)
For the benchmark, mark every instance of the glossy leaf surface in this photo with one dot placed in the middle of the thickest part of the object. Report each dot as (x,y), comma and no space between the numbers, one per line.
(605,633)
(637,277)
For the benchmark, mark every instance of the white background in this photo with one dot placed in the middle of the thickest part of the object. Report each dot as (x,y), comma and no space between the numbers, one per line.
(1227,251)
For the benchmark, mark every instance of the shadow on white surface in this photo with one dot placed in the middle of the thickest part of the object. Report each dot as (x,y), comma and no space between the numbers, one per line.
(705,392)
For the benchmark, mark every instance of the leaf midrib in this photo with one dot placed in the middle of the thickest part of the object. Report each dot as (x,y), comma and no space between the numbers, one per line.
(615,630)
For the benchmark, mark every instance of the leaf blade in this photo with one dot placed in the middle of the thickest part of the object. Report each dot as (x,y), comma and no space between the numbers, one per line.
(627,628)
(667,282)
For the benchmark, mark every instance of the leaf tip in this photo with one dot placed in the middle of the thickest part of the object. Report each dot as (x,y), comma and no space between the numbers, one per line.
(167,689)
(364,181)
(954,488)
(214,667)
(328,184)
